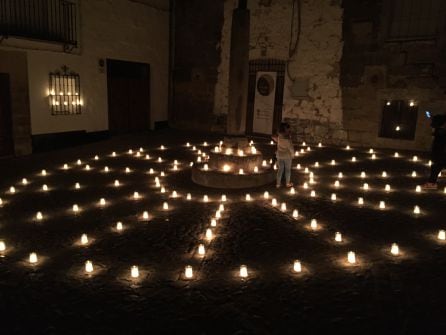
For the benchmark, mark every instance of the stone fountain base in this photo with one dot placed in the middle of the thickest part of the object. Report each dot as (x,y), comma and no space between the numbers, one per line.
(222,170)
(219,179)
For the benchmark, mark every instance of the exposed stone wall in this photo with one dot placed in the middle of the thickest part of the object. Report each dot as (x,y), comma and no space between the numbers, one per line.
(375,70)
(318,115)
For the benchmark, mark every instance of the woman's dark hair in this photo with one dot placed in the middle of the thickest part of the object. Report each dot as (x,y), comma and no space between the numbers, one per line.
(438,120)
(284,126)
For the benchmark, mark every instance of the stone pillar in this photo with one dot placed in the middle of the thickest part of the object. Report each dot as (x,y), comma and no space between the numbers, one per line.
(238,70)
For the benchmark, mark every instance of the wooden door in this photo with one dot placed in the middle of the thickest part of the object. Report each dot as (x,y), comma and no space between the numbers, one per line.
(128,96)
(6,141)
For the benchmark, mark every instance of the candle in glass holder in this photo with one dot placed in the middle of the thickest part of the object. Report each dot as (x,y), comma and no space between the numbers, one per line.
(313,224)
(165,206)
(119,226)
(418,189)
(416,210)
(39,216)
(333,196)
(441,235)
(338,237)
(297,266)
(387,188)
(248,197)
(360,201)
(75,208)
(283,207)
(188,272)
(205,198)
(209,234)
(12,190)
(243,271)
(351,257)
(145,215)
(201,250)
(33,258)
(89,267)
(395,250)
(213,222)
(2,246)
(102,202)
(382,205)
(134,271)
(116,183)
(313,193)
(223,198)
(274,202)
(266,195)
(188,196)
(84,239)
(295,214)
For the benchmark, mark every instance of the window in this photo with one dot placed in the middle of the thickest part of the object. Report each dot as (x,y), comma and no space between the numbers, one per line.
(64,93)
(415,19)
(399,119)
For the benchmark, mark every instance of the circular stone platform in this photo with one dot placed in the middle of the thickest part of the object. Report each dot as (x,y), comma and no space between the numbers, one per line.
(218,179)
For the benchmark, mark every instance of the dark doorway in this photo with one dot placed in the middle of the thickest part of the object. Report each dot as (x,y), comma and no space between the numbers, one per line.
(6,142)
(266,82)
(128,96)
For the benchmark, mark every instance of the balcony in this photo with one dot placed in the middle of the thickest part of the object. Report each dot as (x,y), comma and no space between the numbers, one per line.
(44,20)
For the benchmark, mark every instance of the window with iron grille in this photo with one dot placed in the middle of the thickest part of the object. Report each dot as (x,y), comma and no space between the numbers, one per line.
(65,93)
(415,19)
(399,119)
(47,20)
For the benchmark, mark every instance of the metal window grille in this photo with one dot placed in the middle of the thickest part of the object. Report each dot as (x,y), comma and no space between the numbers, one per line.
(415,19)
(47,20)
(65,93)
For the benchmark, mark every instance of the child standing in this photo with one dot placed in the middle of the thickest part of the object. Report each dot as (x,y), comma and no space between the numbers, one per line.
(284,153)
(438,150)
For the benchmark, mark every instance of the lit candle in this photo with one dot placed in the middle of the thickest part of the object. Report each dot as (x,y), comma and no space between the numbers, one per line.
(240,171)
(65,166)
(188,144)
(256,169)
(319,145)
(264,163)
(201,250)
(87,167)
(296,153)
(313,193)
(384,174)
(84,239)
(205,198)
(130,151)
(340,175)
(414,174)
(174,194)
(283,207)
(316,164)
(218,214)
(165,206)
(221,208)
(162,147)
(253,150)
(188,272)
(25,181)
(206,167)
(373,156)
(295,214)
(223,198)
(96,157)
(39,216)
(75,208)
(360,201)
(136,195)
(382,205)
(102,202)
(145,215)
(297,266)
(365,186)
(209,234)
(243,271)
(119,226)
(338,237)
(77,186)
(226,168)
(160,159)
(336,183)
(298,166)
(415,158)
(333,162)
(106,169)
(116,182)
(418,189)
(353,159)
(248,197)
(441,235)
(214,223)
(387,188)
(134,271)
(2,246)
(1,201)
(347,147)
(163,190)
(44,188)
(188,196)
(88,267)
(333,196)
(395,250)
(266,195)
(351,257)
(274,202)
(396,155)
(363,174)
(127,170)
(147,156)
(416,210)
(33,258)
(12,190)
(43,172)
(113,154)
(313,224)
(199,160)
(305,185)
(292,191)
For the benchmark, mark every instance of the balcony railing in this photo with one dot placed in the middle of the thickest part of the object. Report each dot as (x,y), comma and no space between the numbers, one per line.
(47,20)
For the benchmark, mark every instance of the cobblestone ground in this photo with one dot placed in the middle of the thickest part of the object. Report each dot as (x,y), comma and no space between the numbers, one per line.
(380,294)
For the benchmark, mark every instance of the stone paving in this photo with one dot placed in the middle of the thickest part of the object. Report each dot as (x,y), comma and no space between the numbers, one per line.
(294,243)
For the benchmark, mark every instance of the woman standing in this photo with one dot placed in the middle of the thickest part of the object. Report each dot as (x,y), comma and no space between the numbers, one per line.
(284,154)
(438,150)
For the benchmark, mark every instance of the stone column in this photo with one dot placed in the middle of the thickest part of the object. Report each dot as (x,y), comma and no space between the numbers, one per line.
(238,70)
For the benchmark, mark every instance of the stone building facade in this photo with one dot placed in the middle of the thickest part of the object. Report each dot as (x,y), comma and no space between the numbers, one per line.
(127,30)
(341,67)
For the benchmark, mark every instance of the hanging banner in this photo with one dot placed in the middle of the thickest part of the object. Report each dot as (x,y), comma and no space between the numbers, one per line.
(264,102)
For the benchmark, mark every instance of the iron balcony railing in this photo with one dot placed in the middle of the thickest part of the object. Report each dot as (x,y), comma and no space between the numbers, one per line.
(47,20)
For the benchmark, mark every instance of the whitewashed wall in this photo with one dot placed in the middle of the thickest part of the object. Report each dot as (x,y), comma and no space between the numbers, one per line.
(115,29)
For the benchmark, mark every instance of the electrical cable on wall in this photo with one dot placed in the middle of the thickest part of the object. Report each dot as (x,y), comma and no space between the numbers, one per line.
(293,45)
